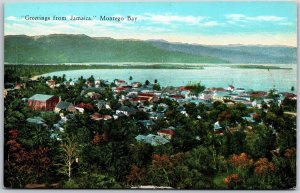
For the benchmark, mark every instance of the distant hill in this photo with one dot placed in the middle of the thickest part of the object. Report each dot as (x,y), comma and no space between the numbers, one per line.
(236,53)
(62,48)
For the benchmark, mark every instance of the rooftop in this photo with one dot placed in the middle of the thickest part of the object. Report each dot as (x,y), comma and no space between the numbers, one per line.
(41,97)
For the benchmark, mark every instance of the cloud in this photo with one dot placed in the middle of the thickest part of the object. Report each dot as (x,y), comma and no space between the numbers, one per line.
(234,18)
(169,19)
(211,24)
(11,18)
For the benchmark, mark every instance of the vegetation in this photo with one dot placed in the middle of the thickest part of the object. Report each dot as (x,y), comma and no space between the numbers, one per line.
(62,48)
(105,153)
(29,71)
(260,67)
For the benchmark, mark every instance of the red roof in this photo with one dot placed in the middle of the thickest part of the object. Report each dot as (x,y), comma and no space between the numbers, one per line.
(97,116)
(290,95)
(121,81)
(256,115)
(85,106)
(167,131)
(177,97)
(140,99)
(258,94)
(186,88)
(121,88)
(146,94)
(217,89)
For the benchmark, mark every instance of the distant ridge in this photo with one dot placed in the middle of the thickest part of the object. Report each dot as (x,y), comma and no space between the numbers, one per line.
(69,48)
(236,53)
(80,48)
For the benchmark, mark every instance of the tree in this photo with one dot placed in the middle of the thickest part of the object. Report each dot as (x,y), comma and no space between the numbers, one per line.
(23,166)
(69,155)
(156,87)
(147,82)
(137,175)
(260,142)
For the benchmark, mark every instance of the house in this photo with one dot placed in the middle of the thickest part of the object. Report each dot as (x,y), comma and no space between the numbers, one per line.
(151,139)
(142,97)
(290,96)
(166,133)
(185,93)
(221,96)
(216,89)
(65,106)
(116,116)
(248,118)
(82,106)
(147,124)
(184,113)
(98,83)
(93,95)
(101,104)
(155,116)
(122,89)
(206,95)
(51,83)
(257,103)
(176,97)
(170,90)
(126,110)
(37,120)
(258,94)
(120,82)
(97,117)
(231,88)
(90,83)
(20,86)
(240,90)
(43,102)
(217,126)
(136,84)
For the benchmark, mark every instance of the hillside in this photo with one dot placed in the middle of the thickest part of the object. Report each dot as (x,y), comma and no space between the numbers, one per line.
(60,48)
(236,53)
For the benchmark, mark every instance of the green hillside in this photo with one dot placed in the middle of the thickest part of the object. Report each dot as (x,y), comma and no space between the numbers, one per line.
(59,48)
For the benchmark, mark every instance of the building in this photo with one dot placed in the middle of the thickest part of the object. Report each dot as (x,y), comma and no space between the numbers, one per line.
(97,117)
(43,102)
(153,140)
(166,133)
(65,106)
(120,82)
(126,111)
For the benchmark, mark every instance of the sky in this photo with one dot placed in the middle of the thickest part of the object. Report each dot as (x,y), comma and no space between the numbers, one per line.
(209,23)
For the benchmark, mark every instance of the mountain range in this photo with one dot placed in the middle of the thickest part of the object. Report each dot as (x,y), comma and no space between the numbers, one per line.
(68,48)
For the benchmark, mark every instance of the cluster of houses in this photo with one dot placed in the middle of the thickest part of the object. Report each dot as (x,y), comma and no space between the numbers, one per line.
(143,97)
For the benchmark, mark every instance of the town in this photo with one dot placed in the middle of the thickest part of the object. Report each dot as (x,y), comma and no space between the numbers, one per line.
(129,133)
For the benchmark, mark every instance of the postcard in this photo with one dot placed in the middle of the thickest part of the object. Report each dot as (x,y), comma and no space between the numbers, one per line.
(150,95)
